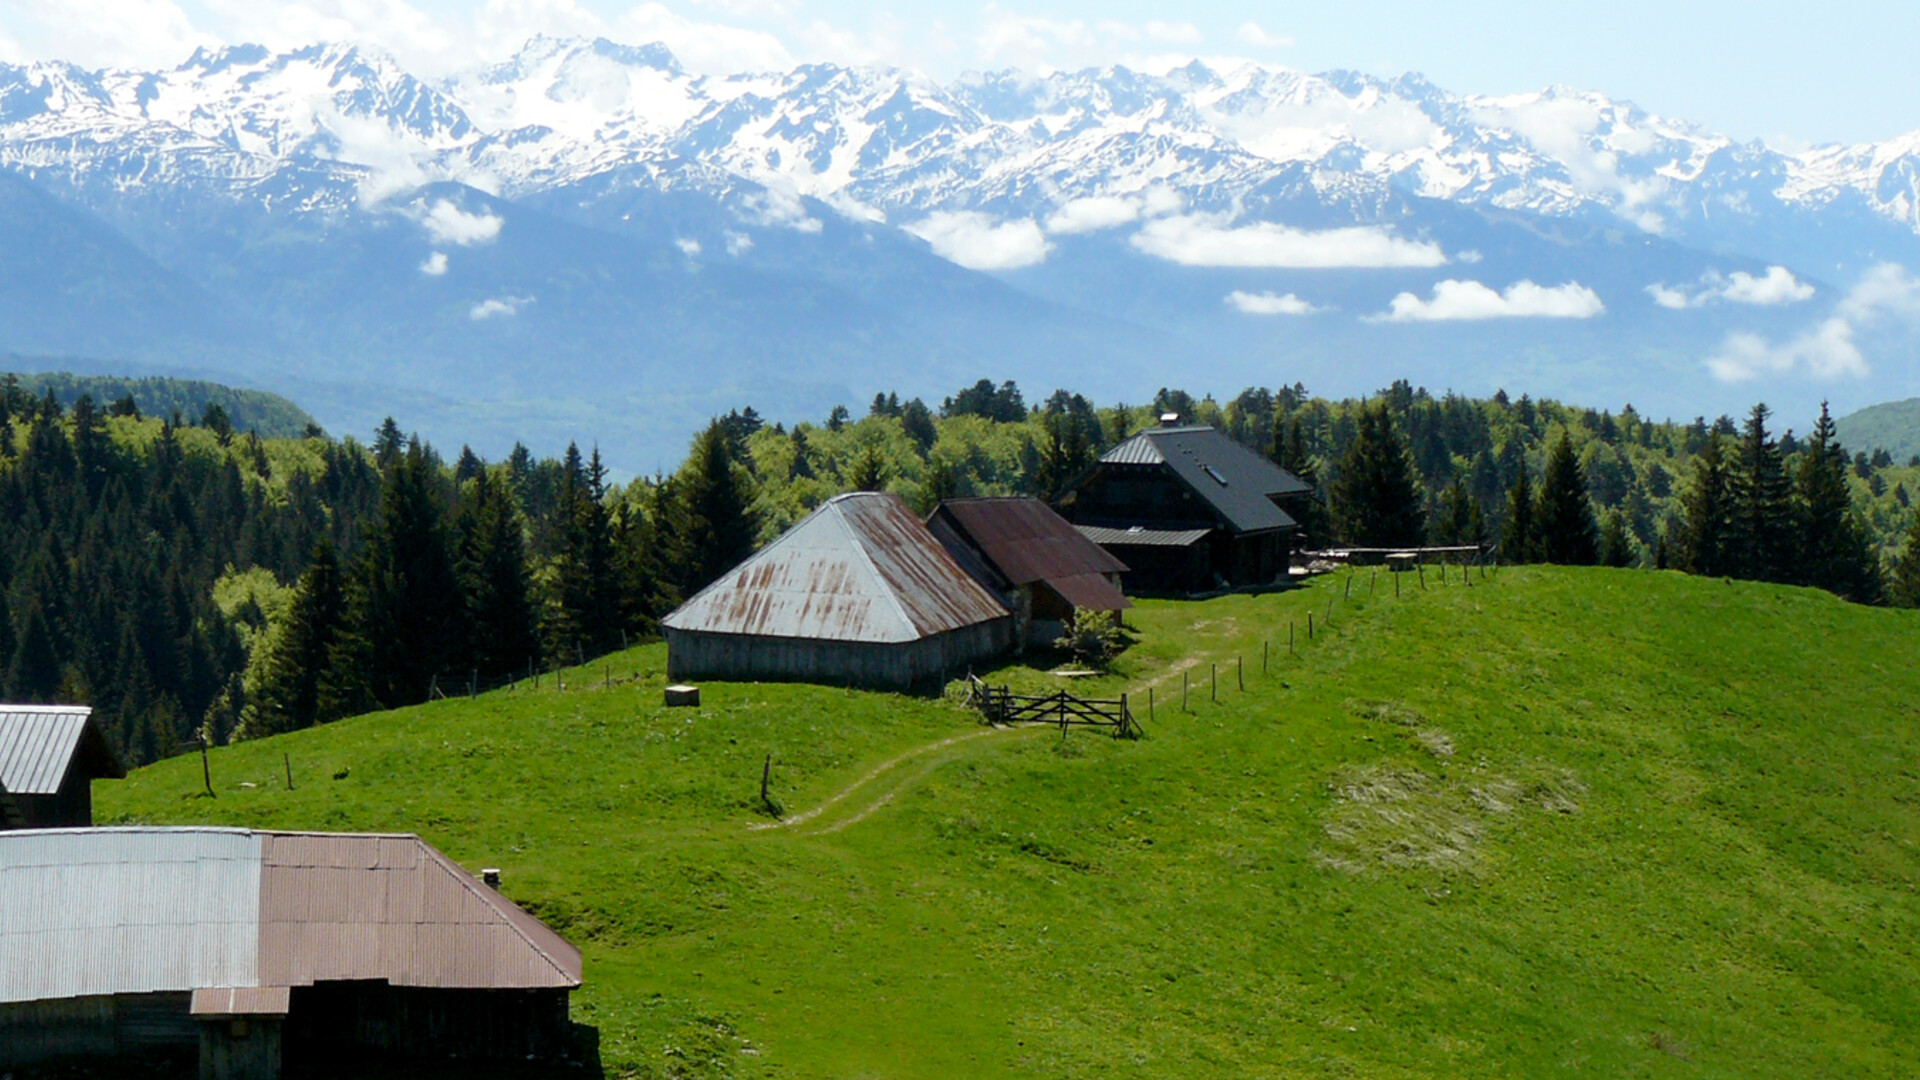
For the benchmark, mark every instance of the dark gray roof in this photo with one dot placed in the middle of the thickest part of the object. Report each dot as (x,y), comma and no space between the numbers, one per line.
(1239,484)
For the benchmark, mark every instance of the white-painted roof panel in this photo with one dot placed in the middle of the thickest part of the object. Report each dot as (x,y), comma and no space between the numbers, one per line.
(37,742)
(134,910)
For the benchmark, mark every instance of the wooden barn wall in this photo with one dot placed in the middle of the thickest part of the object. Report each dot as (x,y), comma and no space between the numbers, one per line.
(33,1031)
(335,1019)
(745,658)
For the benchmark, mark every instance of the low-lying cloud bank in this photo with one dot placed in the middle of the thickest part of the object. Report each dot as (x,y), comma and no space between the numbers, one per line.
(1455,300)
(979,241)
(1202,240)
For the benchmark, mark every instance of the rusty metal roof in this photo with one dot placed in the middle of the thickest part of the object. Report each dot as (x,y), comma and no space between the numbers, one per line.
(39,743)
(861,568)
(136,910)
(336,906)
(1023,541)
(1239,484)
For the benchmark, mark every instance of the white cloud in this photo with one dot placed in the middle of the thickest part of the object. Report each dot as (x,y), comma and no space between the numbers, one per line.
(1200,240)
(1266,303)
(1469,256)
(436,264)
(1470,300)
(738,243)
(498,307)
(689,248)
(1776,286)
(1827,351)
(1830,350)
(978,241)
(448,224)
(1093,213)
(99,33)
(1251,33)
(704,47)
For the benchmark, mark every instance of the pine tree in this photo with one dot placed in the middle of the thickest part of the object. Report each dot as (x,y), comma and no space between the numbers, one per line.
(1519,539)
(718,512)
(1565,514)
(1375,500)
(1836,553)
(1705,533)
(586,578)
(1903,577)
(288,695)
(1765,533)
(34,674)
(1461,522)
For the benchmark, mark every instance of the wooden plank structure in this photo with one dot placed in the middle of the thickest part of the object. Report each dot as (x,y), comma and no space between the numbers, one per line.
(1001,705)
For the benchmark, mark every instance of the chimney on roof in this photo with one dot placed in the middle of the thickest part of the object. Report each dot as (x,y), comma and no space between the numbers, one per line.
(1169,419)
(490,877)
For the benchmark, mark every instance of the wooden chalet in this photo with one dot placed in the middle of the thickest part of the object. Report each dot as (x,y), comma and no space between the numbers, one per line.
(50,755)
(1188,510)
(1033,559)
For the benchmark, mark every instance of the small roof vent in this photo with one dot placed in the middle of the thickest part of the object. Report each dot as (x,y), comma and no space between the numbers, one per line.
(1169,419)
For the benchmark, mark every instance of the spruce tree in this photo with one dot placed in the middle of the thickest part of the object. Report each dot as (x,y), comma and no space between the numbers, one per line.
(1836,553)
(1289,451)
(1705,534)
(717,512)
(1460,519)
(1764,540)
(1616,543)
(493,572)
(1565,514)
(1519,539)
(288,696)
(33,673)
(586,577)
(1374,500)
(406,613)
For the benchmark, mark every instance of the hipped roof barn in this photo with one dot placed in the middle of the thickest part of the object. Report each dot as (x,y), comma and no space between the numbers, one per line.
(173,923)
(858,592)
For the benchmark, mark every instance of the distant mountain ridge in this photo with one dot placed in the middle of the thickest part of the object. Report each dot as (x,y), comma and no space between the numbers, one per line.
(268,415)
(587,241)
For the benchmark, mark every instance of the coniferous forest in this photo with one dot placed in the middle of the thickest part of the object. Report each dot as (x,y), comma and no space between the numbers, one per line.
(191,580)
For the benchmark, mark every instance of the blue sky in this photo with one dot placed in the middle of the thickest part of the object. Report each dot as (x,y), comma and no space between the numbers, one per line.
(1794,73)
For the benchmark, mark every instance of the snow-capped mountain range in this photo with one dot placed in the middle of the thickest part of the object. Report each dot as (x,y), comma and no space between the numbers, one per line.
(324,216)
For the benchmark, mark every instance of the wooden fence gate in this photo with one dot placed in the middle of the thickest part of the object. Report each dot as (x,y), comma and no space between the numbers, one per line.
(1002,706)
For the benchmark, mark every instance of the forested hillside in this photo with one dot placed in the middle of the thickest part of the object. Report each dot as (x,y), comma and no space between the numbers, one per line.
(268,415)
(187,579)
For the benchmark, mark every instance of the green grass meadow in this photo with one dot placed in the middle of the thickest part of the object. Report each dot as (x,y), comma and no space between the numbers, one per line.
(1554,823)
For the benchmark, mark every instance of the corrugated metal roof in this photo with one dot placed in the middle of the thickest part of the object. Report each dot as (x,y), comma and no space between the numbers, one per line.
(1024,543)
(1140,536)
(390,907)
(860,568)
(1239,484)
(137,910)
(39,743)
(127,911)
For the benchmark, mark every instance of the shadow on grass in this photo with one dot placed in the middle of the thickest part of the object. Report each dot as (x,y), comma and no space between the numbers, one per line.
(584,1064)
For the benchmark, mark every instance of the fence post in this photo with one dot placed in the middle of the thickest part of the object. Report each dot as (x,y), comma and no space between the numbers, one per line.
(1150,705)
(1240,672)
(1309,626)
(288,762)
(1329,611)
(1349,594)
(473,682)
(1289,637)
(1124,714)
(1265,646)
(1183,692)
(1213,683)
(1396,585)
(1371,579)
(1422,567)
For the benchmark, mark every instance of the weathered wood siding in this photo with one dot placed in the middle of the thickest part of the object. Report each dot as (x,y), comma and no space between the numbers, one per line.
(337,1021)
(744,658)
(34,1031)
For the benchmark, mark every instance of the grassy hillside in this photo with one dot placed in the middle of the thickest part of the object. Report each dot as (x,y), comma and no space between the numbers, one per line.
(1560,822)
